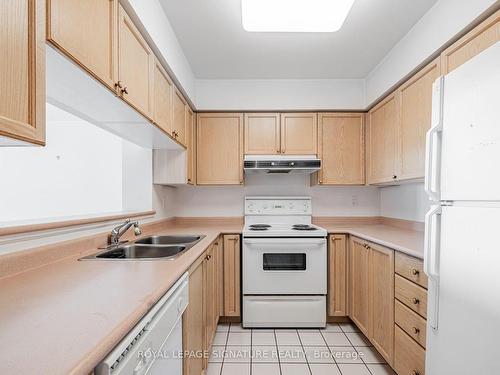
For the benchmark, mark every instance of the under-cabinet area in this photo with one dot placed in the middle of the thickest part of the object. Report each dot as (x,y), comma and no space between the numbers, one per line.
(261,187)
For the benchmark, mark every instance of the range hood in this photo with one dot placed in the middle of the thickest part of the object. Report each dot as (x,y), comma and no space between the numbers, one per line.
(281,164)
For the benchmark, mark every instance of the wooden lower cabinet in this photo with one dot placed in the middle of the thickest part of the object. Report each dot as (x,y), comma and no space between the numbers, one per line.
(232,282)
(337,275)
(193,321)
(210,283)
(382,300)
(409,357)
(359,270)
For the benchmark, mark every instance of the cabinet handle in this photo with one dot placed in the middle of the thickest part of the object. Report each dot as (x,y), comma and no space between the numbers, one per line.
(118,85)
(415,272)
(124,90)
(208,257)
(416,331)
(415,301)
(415,372)
(394,177)
(216,243)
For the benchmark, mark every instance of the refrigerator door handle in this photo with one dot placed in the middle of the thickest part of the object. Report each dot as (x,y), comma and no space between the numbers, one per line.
(431,262)
(433,148)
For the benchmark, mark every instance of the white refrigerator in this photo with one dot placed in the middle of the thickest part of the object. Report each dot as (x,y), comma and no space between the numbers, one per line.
(462,233)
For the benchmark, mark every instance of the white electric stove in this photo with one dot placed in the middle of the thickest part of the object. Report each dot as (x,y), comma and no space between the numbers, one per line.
(284,264)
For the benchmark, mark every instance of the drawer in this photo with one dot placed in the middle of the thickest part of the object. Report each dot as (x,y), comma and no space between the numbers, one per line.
(409,357)
(412,295)
(410,268)
(413,324)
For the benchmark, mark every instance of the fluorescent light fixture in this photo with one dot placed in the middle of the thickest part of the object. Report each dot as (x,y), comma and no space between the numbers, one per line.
(294,15)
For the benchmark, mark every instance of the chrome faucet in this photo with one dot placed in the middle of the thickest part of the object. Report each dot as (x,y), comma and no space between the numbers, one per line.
(116,233)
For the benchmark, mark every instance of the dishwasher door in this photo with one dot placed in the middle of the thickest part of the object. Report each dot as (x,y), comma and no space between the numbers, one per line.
(154,346)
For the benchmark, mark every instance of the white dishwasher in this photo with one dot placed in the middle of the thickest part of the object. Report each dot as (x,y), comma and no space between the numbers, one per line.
(154,346)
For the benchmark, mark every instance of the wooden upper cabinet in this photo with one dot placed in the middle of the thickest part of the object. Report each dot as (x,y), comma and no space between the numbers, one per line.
(179,125)
(382,141)
(341,148)
(337,275)
(414,121)
(163,94)
(86,31)
(299,133)
(191,146)
(262,133)
(22,71)
(135,66)
(219,151)
(472,44)
(359,285)
(382,300)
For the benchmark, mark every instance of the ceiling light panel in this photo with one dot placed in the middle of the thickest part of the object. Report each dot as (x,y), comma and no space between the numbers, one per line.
(294,15)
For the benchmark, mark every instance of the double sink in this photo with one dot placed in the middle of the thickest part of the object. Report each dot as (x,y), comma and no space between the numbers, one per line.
(152,247)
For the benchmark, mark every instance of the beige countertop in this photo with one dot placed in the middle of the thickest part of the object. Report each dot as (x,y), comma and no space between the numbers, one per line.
(65,316)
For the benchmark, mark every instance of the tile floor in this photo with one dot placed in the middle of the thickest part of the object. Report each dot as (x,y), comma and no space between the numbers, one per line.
(339,349)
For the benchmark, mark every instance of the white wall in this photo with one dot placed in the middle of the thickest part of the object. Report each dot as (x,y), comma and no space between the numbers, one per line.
(407,202)
(440,24)
(322,94)
(228,201)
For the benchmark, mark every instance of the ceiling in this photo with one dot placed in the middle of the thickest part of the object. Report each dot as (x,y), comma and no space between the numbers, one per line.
(217,47)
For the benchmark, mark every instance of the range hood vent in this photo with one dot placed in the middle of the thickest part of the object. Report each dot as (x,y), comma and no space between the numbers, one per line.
(281,164)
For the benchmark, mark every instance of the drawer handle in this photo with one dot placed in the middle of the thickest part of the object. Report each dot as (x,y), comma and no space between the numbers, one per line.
(415,372)
(415,272)
(416,331)
(415,301)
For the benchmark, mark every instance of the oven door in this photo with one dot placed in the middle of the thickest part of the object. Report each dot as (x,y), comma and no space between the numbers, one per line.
(284,266)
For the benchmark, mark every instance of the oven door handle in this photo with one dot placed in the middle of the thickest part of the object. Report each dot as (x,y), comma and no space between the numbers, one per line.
(279,241)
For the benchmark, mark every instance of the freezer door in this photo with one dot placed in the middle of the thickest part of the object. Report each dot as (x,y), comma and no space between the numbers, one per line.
(466,340)
(471,130)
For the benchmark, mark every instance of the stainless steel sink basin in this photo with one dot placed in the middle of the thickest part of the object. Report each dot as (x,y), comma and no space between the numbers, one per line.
(169,240)
(153,247)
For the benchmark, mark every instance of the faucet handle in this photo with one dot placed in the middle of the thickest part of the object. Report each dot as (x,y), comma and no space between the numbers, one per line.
(137,229)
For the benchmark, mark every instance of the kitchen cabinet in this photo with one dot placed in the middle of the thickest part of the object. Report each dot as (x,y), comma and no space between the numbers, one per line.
(410,268)
(179,121)
(135,66)
(209,270)
(359,270)
(86,31)
(412,295)
(219,252)
(163,95)
(414,121)
(473,43)
(341,148)
(382,142)
(22,72)
(262,133)
(191,146)
(193,322)
(409,357)
(219,151)
(382,300)
(299,133)
(337,275)
(232,271)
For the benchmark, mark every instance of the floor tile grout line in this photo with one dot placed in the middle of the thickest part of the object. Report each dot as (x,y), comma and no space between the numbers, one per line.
(277,351)
(330,350)
(305,356)
(357,350)
(251,350)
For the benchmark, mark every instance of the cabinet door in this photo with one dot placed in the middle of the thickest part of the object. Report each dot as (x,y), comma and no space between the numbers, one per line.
(414,121)
(191,146)
(163,90)
(22,71)
(220,275)
(382,300)
(337,275)
(299,133)
(210,297)
(382,144)
(219,151)
(341,148)
(262,133)
(135,66)
(86,31)
(193,321)
(232,289)
(472,44)
(179,117)
(359,284)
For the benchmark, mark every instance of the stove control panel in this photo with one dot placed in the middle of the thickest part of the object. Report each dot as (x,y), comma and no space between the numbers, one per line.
(278,206)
